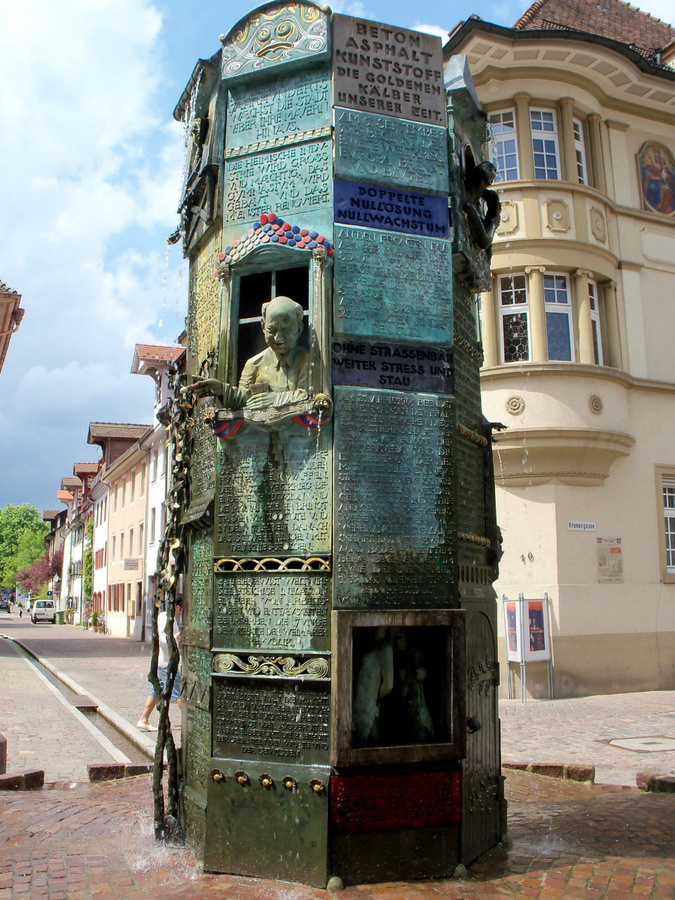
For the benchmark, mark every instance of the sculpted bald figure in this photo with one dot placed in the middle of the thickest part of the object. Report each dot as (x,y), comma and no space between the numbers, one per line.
(277,376)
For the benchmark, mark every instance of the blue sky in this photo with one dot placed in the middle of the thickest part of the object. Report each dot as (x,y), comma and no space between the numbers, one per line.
(91,164)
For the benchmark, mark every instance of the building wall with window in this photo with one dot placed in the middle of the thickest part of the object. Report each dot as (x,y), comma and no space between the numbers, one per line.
(126,511)
(577,338)
(158,362)
(99,546)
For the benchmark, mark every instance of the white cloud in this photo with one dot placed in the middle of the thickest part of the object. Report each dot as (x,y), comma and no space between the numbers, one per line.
(436,30)
(91,175)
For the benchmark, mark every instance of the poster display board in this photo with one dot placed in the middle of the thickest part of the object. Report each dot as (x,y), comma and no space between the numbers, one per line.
(527,632)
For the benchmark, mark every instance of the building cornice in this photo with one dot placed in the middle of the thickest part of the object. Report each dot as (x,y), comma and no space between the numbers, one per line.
(495,374)
(572,456)
(528,36)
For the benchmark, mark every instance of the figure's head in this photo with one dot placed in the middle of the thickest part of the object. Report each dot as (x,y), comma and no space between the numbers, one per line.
(488,170)
(281,323)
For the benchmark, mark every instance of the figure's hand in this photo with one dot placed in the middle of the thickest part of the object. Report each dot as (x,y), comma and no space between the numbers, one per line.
(260,401)
(493,204)
(207,387)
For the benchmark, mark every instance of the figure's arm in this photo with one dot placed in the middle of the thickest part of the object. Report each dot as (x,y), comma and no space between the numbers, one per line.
(229,396)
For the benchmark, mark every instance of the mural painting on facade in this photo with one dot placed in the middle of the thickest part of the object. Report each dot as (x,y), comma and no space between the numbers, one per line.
(657,178)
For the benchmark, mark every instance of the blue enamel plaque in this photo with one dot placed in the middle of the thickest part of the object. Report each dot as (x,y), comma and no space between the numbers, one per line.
(390,209)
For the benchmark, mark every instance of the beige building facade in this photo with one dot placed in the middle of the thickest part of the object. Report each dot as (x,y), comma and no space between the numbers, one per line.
(127,481)
(578,334)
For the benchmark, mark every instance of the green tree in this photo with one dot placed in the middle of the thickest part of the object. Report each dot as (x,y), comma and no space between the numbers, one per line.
(22,534)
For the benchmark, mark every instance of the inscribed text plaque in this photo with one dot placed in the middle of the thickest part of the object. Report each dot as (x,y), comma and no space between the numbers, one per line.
(294,179)
(277,112)
(390,208)
(381,148)
(392,71)
(200,579)
(203,458)
(256,719)
(288,611)
(392,286)
(401,367)
(273,494)
(394,501)
(203,310)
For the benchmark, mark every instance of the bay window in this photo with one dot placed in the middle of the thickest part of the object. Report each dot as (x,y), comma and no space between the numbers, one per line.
(595,322)
(558,308)
(513,308)
(503,145)
(545,144)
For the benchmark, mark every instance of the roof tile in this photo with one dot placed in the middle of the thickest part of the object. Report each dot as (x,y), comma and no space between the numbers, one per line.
(612,19)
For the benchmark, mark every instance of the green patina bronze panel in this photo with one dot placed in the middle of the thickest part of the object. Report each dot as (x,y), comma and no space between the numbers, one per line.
(202,463)
(270,718)
(286,611)
(203,317)
(294,181)
(269,830)
(200,579)
(198,745)
(285,112)
(276,37)
(471,504)
(392,286)
(394,500)
(273,494)
(196,686)
(391,150)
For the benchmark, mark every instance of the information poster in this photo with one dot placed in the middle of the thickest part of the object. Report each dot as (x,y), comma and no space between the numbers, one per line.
(513,632)
(610,562)
(527,630)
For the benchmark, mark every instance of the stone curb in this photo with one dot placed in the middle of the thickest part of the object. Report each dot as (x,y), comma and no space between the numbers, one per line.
(30,780)
(104,772)
(655,784)
(565,771)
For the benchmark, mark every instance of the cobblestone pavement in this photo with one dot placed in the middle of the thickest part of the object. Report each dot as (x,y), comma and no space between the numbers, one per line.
(579,731)
(84,842)
(567,842)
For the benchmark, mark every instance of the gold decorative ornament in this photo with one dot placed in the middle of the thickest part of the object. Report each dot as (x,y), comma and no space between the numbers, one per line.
(217,775)
(275,666)
(241,777)
(272,564)
(289,783)
(266,780)
(317,786)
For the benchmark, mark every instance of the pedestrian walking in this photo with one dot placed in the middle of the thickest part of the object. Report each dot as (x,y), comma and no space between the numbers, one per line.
(143,723)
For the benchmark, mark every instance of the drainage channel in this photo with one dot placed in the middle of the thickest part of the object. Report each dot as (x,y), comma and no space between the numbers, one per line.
(125,749)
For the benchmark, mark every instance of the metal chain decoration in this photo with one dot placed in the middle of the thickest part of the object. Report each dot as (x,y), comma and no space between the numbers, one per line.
(170,563)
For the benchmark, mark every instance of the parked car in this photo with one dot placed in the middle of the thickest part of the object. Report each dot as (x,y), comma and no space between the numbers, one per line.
(43,611)
(4,604)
